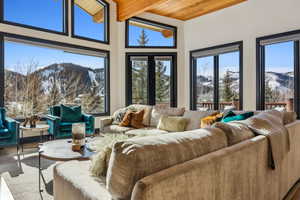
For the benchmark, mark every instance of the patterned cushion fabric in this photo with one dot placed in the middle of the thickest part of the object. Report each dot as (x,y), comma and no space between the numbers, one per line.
(136,158)
(238,117)
(2,117)
(160,110)
(172,124)
(147,114)
(194,118)
(70,114)
(119,115)
(210,120)
(235,131)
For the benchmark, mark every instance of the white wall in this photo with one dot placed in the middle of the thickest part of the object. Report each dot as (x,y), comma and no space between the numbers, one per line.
(246,21)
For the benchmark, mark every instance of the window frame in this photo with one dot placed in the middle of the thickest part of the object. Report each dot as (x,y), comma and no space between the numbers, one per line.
(260,70)
(151,83)
(65,19)
(147,21)
(106,24)
(58,44)
(193,75)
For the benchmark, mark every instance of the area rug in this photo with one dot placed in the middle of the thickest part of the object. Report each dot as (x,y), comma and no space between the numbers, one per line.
(21,175)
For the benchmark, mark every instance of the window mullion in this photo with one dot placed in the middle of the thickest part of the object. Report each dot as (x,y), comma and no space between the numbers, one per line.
(151,80)
(2,75)
(216,82)
(297,77)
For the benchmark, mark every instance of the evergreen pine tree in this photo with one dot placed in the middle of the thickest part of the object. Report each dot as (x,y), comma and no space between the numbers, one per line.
(143,38)
(228,94)
(162,83)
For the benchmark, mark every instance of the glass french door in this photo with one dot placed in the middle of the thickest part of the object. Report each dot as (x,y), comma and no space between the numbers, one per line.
(151,79)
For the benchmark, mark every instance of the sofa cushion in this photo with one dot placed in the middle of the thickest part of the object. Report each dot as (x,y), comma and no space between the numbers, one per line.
(136,158)
(172,124)
(116,129)
(69,178)
(2,117)
(70,114)
(160,110)
(195,118)
(147,131)
(235,131)
(289,117)
(4,132)
(147,114)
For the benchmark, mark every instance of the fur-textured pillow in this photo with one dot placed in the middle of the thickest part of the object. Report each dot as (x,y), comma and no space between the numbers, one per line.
(210,120)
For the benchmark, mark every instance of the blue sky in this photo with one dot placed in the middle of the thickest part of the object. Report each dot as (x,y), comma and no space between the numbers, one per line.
(48,14)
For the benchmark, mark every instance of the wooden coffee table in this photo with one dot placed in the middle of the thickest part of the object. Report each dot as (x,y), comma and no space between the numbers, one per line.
(60,150)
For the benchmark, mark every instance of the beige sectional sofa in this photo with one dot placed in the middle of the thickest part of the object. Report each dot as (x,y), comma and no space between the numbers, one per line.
(152,118)
(196,164)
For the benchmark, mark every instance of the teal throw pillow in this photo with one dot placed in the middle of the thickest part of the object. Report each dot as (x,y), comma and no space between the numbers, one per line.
(70,114)
(240,117)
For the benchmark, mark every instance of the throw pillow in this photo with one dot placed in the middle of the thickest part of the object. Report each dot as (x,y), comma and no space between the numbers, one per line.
(235,131)
(137,119)
(240,117)
(210,120)
(2,117)
(103,147)
(194,118)
(127,119)
(289,117)
(70,114)
(172,124)
(160,110)
(147,114)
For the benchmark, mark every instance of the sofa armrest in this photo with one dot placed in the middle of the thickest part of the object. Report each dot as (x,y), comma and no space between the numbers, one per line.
(53,122)
(105,121)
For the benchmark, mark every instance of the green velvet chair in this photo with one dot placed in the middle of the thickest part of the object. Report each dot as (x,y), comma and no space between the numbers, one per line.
(61,122)
(9,130)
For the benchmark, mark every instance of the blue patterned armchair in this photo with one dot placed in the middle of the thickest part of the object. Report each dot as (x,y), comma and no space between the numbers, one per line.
(9,130)
(59,128)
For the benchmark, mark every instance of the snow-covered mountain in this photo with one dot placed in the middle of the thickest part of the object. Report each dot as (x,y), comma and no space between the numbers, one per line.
(68,78)
(282,82)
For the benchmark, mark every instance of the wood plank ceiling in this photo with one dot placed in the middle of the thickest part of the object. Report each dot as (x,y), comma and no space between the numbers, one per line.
(178,9)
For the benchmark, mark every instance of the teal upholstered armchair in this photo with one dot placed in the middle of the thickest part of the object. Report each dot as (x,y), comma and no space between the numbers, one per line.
(9,130)
(61,118)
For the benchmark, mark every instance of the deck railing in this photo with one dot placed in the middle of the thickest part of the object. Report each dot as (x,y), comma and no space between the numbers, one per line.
(288,105)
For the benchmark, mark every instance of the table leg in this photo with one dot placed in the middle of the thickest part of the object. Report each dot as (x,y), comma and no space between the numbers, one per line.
(21,140)
(40,190)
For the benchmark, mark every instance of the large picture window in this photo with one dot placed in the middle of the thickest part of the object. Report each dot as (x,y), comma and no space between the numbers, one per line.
(38,75)
(142,33)
(216,77)
(90,20)
(48,15)
(278,72)
(151,78)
